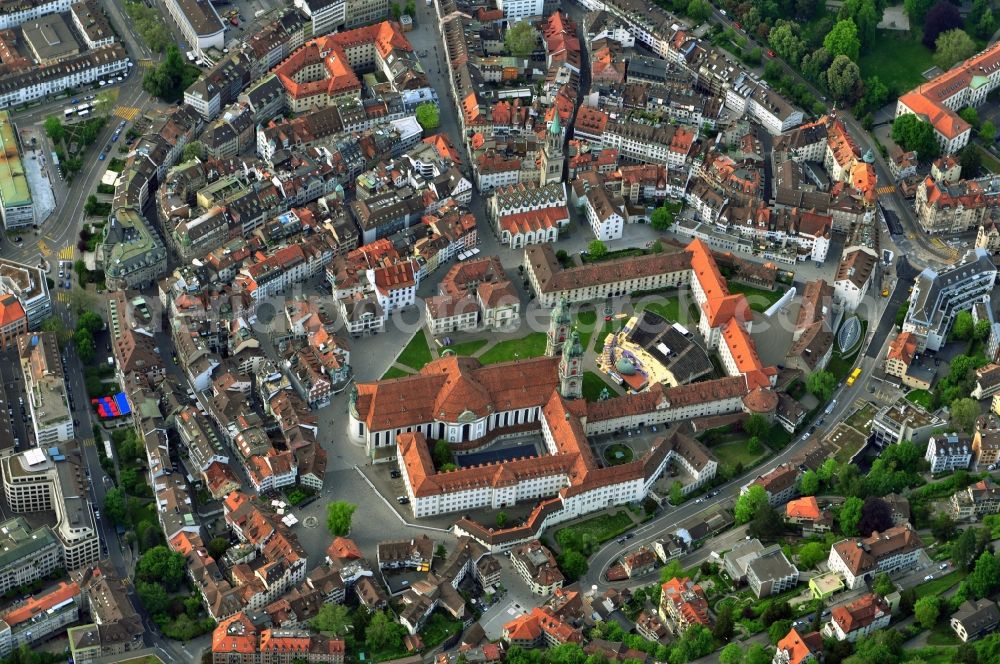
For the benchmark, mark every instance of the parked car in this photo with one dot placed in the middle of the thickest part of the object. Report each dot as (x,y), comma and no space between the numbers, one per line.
(101,156)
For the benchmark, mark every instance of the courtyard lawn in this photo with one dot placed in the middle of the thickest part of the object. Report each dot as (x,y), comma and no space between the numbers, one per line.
(611,454)
(417,353)
(466,348)
(759,300)
(586,323)
(941,584)
(930,655)
(532,345)
(898,59)
(668,307)
(922,398)
(593,385)
(438,628)
(395,372)
(861,419)
(735,452)
(588,534)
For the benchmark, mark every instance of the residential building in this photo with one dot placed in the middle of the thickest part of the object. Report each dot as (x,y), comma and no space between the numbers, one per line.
(45,385)
(115,629)
(948,452)
(682,604)
(25,85)
(945,206)
(13,322)
(902,350)
(474,294)
(771,573)
(326,16)
(639,562)
(976,500)
(237,640)
(15,12)
(799,648)
(903,420)
(860,559)
(91,23)
(199,23)
(39,617)
(987,382)
(781,484)
(364,12)
(939,100)
(861,617)
(986,441)
(16,207)
(28,555)
(938,296)
(975,619)
(855,275)
(133,254)
(805,512)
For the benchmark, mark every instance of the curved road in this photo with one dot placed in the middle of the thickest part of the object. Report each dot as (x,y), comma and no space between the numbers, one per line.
(845,396)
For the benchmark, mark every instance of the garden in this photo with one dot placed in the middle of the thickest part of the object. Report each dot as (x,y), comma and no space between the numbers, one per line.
(618,454)
(594,387)
(72,141)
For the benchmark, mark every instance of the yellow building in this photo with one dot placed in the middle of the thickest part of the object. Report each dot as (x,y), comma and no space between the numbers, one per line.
(825,585)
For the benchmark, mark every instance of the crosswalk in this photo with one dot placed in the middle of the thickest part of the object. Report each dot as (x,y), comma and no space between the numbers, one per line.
(146,63)
(44,248)
(67,253)
(126,112)
(63,296)
(887,189)
(88,442)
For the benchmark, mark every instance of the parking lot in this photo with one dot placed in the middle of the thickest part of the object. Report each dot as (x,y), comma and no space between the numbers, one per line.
(16,426)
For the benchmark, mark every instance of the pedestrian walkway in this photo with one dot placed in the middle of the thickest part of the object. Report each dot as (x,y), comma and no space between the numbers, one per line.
(887,189)
(126,112)
(44,248)
(66,253)
(146,63)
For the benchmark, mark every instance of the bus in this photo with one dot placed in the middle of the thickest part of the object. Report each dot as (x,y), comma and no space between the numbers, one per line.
(83,108)
(854,376)
(68,112)
(83,114)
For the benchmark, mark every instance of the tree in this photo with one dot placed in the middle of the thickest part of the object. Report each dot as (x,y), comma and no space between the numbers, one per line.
(662,218)
(876,516)
(812,554)
(723,628)
(843,40)
(866,17)
(731,654)
(696,642)
(85,348)
(876,94)
(597,249)
(410,9)
(988,131)
(963,326)
(882,647)
(501,519)
(757,425)
(969,113)
(883,585)
(573,564)
(332,620)
(766,524)
(828,470)
(442,454)
(383,633)
(338,517)
(784,39)
(748,503)
(115,505)
(395,11)
(943,527)
(521,39)
(926,611)
(809,483)
(942,17)
(161,565)
(850,515)
(980,20)
(916,10)
(194,150)
(814,65)
(676,493)
(429,116)
(778,630)
(822,384)
(90,321)
(217,547)
(167,80)
(964,413)
(153,596)
(843,78)
(753,445)
(971,162)
(698,10)
(54,129)
(965,549)
(912,133)
(951,47)
(757,654)
(985,577)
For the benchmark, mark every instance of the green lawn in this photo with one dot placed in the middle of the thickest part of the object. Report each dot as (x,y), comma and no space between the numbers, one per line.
(735,451)
(609,327)
(941,584)
(395,372)
(593,384)
(586,535)
(467,347)
(930,655)
(586,322)
(760,300)
(669,308)
(942,635)
(990,162)
(898,59)
(861,418)
(532,345)
(922,398)
(417,353)
(611,454)
(439,627)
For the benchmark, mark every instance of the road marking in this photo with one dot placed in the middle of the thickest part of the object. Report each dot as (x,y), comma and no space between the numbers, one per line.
(888,189)
(67,253)
(88,442)
(126,112)
(44,248)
